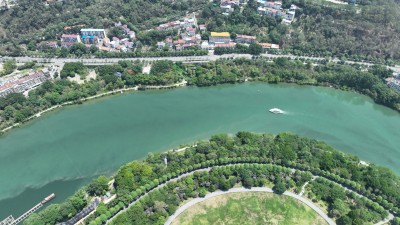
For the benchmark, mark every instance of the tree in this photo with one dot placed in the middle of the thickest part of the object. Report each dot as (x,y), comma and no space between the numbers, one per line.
(99,186)
(8,67)
(101,209)
(279,187)
(255,49)
(161,66)
(93,49)
(338,208)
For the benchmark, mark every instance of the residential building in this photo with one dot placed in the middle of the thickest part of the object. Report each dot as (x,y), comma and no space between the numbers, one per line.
(52,44)
(202,27)
(70,38)
(267,46)
(245,39)
(91,33)
(227,8)
(132,35)
(225,45)
(393,83)
(67,44)
(273,5)
(205,45)
(190,31)
(160,45)
(24,83)
(169,26)
(189,22)
(220,37)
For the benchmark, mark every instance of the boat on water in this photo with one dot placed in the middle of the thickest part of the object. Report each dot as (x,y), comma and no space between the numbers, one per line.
(277,111)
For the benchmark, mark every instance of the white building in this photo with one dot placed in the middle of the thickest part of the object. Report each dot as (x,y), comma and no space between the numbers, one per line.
(91,33)
(393,83)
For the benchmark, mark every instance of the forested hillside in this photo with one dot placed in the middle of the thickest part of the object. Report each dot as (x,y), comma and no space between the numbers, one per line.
(370,29)
(367,31)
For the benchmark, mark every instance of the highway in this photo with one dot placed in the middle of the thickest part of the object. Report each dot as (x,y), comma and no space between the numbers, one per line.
(186,59)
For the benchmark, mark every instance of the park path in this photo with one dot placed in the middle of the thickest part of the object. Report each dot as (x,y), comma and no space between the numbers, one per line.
(254,189)
(158,187)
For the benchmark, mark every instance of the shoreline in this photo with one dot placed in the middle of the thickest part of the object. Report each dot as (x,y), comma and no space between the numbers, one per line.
(121,90)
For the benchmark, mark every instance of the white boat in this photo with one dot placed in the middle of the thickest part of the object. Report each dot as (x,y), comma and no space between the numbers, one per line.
(277,111)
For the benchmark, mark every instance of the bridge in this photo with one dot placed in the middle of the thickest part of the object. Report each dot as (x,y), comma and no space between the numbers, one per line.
(11,221)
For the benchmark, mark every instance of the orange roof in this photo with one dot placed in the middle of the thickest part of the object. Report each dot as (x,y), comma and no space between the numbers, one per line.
(222,45)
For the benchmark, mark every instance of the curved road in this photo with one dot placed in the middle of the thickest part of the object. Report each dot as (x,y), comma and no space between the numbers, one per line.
(158,187)
(254,189)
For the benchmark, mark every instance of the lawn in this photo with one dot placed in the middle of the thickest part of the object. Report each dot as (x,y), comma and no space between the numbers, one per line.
(249,208)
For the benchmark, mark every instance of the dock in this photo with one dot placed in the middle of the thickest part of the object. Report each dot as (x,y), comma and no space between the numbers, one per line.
(10,219)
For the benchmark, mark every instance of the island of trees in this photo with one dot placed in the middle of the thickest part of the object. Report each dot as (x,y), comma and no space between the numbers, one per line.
(350,191)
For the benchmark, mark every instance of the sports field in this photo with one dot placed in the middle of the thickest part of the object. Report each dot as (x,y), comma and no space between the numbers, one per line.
(249,208)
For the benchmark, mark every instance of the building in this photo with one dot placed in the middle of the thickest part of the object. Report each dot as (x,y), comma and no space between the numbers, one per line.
(91,33)
(205,45)
(245,39)
(52,44)
(273,5)
(190,31)
(267,46)
(73,38)
(393,83)
(169,26)
(202,27)
(227,8)
(220,38)
(223,45)
(24,83)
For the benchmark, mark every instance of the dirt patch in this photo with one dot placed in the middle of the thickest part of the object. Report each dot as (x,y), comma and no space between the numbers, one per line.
(92,75)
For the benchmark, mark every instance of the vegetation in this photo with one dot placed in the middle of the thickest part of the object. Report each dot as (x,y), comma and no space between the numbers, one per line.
(254,49)
(368,31)
(262,154)
(72,68)
(8,67)
(249,208)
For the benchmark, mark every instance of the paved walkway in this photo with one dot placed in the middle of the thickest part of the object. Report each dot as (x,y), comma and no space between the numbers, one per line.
(254,189)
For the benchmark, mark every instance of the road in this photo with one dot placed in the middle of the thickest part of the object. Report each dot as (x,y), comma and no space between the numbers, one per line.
(188,59)
(254,189)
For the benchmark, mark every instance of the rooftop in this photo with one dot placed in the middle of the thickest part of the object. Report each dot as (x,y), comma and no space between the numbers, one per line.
(245,36)
(220,34)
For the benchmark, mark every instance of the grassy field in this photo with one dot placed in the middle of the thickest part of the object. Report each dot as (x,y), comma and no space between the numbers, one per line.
(249,208)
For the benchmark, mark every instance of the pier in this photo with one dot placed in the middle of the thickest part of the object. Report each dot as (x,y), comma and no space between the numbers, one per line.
(11,221)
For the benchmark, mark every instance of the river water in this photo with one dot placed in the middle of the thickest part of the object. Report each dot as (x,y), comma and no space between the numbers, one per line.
(64,149)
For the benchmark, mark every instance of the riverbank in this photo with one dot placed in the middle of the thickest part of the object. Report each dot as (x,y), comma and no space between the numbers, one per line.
(135,88)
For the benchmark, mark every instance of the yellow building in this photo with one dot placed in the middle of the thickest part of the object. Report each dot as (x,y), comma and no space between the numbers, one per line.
(220,38)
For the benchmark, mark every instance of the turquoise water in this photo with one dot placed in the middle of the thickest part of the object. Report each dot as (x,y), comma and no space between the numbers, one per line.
(63,150)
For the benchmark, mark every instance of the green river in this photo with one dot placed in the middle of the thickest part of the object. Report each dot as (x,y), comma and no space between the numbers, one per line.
(63,150)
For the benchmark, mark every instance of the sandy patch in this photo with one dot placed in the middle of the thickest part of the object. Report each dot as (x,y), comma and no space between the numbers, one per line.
(92,75)
(146,69)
